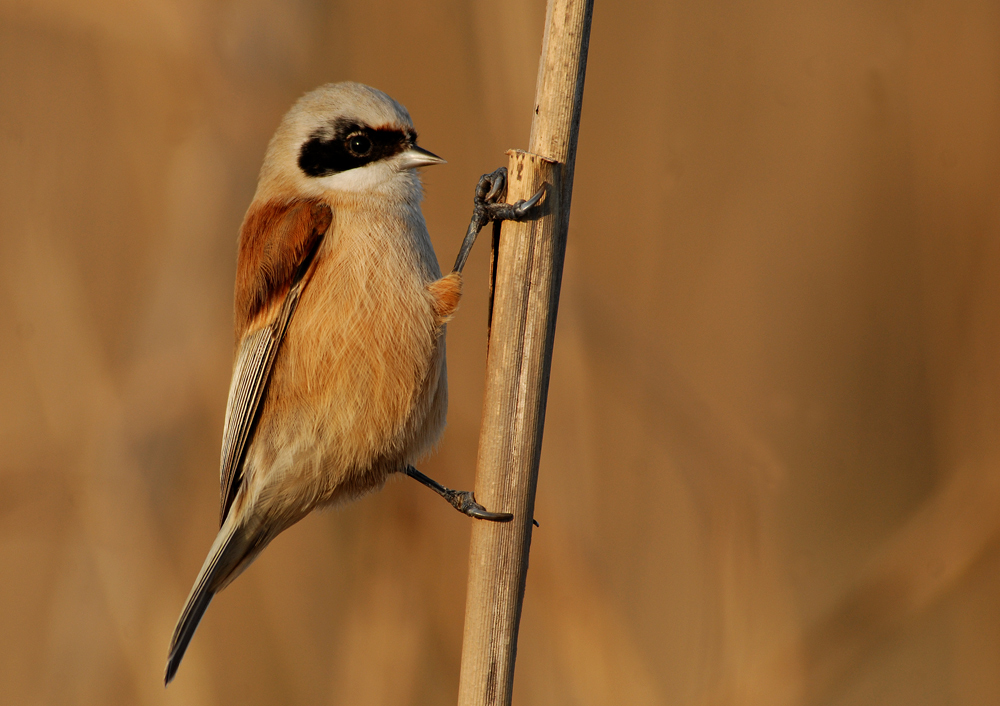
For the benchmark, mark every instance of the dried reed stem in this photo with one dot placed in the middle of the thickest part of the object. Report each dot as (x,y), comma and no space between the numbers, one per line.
(528,275)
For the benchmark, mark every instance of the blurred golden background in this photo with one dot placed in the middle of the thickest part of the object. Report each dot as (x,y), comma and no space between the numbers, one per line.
(770,472)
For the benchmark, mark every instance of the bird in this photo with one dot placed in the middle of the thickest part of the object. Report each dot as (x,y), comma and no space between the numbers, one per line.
(340,310)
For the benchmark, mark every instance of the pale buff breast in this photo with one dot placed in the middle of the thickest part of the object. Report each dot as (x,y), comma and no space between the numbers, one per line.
(359,386)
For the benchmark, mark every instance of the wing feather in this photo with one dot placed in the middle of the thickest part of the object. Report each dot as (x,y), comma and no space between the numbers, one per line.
(259,345)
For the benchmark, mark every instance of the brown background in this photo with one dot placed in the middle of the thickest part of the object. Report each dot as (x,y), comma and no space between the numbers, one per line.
(770,472)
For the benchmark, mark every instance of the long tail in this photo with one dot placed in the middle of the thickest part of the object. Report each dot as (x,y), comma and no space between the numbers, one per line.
(232,551)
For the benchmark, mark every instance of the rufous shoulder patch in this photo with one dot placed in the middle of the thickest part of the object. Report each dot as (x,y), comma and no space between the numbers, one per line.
(277,238)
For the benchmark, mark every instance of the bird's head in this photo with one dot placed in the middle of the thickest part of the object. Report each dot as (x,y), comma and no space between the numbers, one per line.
(345,138)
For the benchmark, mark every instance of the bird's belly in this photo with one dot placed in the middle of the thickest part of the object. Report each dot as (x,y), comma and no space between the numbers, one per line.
(357,389)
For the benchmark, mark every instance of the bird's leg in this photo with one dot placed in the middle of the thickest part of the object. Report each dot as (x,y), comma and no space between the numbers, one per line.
(447,291)
(488,207)
(462,500)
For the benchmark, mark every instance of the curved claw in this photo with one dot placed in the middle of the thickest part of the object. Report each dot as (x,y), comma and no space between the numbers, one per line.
(483,187)
(499,178)
(522,207)
(481,513)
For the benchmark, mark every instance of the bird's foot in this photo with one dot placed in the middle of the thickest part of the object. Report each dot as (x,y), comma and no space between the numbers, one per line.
(489,207)
(462,500)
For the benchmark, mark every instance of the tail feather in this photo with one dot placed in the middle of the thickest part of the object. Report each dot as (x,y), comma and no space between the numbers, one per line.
(231,552)
(196,606)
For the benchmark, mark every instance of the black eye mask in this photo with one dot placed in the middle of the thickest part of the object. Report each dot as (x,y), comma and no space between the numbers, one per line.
(349,146)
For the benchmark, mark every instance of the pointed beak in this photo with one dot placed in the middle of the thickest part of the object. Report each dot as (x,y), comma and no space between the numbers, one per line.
(418,157)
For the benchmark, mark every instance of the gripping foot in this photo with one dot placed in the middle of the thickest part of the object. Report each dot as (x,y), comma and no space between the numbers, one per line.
(461,500)
(488,207)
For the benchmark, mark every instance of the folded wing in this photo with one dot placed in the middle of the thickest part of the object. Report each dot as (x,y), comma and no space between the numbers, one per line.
(278,246)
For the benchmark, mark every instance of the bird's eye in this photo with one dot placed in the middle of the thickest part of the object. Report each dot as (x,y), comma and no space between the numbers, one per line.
(359,145)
